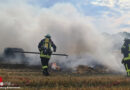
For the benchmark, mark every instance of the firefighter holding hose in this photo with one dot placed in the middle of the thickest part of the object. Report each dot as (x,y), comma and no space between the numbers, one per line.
(45,52)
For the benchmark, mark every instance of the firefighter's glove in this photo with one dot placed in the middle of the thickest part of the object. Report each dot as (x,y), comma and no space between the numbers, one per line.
(122,61)
(39,49)
(54,50)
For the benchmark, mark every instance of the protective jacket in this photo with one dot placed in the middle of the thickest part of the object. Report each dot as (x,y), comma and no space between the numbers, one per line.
(126,50)
(45,47)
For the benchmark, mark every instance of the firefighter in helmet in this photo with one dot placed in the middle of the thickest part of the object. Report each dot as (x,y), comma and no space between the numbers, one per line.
(45,52)
(126,53)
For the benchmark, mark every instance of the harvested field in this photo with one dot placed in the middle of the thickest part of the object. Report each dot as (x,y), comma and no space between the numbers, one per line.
(32,79)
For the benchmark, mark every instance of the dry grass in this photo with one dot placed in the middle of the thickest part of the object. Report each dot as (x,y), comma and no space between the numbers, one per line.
(34,80)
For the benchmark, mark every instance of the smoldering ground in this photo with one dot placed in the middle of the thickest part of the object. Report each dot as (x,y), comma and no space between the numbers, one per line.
(23,25)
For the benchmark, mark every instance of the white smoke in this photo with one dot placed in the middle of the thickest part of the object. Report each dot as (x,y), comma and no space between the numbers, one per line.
(23,25)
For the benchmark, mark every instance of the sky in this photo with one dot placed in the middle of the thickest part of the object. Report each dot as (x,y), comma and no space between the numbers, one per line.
(110,16)
(107,15)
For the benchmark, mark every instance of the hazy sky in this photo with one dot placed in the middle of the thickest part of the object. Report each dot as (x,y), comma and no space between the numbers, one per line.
(107,15)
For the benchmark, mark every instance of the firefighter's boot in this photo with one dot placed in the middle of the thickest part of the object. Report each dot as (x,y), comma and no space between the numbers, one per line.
(45,72)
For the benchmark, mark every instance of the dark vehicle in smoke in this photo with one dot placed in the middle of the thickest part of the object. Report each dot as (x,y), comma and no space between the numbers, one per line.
(10,56)
(10,53)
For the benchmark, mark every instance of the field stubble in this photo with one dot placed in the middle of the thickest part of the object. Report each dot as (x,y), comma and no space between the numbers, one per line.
(29,79)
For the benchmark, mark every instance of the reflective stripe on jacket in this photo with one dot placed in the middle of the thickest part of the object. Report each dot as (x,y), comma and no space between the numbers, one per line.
(45,56)
(127,58)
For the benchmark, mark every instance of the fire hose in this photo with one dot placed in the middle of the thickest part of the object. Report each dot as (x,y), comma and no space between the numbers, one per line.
(39,53)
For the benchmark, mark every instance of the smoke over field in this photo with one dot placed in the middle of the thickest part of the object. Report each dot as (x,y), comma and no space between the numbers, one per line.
(23,26)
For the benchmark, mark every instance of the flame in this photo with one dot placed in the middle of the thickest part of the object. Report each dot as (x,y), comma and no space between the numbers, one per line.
(54,66)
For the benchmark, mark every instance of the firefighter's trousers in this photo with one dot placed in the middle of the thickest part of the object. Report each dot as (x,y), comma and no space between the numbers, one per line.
(45,62)
(127,67)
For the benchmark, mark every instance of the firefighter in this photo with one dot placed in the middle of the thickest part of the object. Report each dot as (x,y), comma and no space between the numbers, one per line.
(45,52)
(126,53)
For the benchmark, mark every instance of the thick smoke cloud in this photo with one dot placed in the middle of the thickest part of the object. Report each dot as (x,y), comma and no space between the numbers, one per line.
(23,25)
